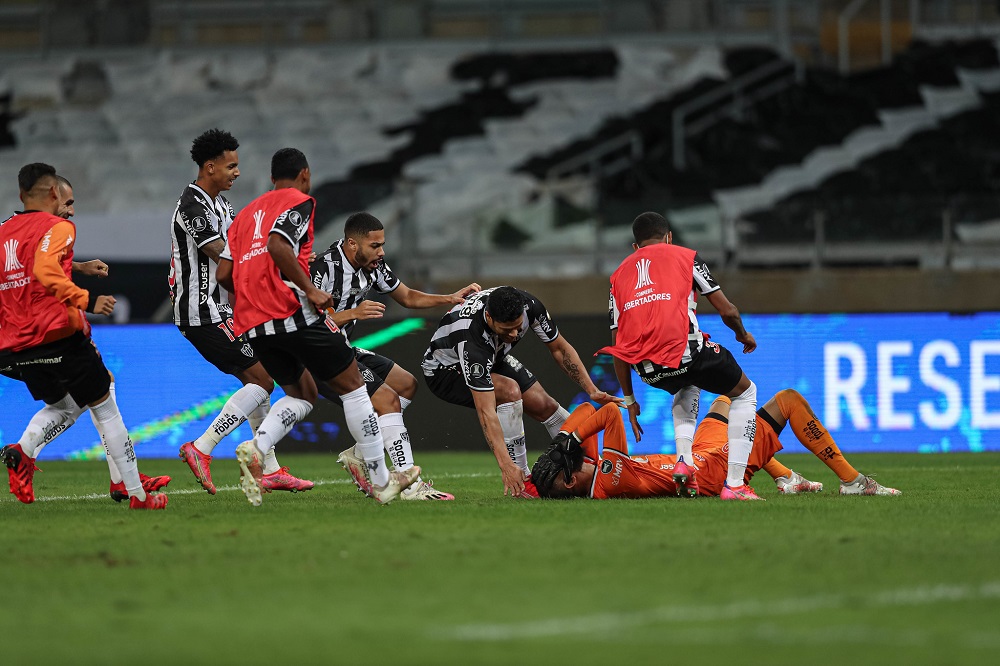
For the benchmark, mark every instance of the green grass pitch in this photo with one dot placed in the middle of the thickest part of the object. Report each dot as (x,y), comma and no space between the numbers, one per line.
(330,577)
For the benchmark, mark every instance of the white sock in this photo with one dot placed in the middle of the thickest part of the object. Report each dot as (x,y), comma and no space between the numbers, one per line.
(48,423)
(118,445)
(116,476)
(363,424)
(511,415)
(403,404)
(279,421)
(742,429)
(236,410)
(685,409)
(257,417)
(554,423)
(397,441)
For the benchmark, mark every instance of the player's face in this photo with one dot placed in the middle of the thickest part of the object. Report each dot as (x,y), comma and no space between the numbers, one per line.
(66,202)
(370,249)
(507,331)
(224,170)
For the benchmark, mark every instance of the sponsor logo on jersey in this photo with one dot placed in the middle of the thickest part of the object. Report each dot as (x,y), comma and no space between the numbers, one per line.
(513,362)
(199,224)
(607,466)
(642,270)
(476,370)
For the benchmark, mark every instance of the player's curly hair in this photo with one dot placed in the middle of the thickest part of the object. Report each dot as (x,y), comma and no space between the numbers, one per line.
(563,457)
(211,144)
(30,174)
(359,225)
(505,304)
(649,225)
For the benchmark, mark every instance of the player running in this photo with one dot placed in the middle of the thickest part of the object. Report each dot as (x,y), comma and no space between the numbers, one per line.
(265,267)
(349,270)
(204,315)
(48,336)
(573,466)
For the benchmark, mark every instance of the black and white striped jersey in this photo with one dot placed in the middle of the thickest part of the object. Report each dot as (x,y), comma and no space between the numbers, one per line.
(334,274)
(198,220)
(702,282)
(463,339)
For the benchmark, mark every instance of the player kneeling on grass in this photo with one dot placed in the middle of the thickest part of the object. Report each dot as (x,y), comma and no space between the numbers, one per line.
(573,465)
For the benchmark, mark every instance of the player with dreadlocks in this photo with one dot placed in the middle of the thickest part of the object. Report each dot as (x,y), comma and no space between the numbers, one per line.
(573,465)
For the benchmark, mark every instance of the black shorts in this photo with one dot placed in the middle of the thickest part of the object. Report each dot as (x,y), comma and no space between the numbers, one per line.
(374,371)
(449,383)
(221,347)
(8,370)
(713,369)
(71,365)
(320,350)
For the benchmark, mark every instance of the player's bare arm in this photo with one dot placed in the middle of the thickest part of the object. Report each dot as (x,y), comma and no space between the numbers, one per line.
(623,371)
(486,408)
(92,268)
(213,249)
(731,318)
(569,362)
(283,255)
(418,300)
(224,275)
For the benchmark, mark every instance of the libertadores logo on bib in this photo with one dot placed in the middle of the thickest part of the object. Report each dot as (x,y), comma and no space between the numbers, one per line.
(258,219)
(10,260)
(642,268)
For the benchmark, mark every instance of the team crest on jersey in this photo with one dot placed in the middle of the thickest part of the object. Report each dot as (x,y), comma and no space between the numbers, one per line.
(642,270)
(247,350)
(607,466)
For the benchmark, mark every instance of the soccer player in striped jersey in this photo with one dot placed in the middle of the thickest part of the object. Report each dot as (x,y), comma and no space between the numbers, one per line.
(203,313)
(47,335)
(60,410)
(654,331)
(575,466)
(349,270)
(469,363)
(265,265)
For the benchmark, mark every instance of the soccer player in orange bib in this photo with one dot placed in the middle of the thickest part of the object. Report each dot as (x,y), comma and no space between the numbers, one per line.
(574,466)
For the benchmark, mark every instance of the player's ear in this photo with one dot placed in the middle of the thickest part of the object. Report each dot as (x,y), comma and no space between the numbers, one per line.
(670,238)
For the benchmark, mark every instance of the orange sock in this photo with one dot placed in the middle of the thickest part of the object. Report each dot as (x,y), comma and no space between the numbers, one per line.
(810,431)
(577,418)
(776,469)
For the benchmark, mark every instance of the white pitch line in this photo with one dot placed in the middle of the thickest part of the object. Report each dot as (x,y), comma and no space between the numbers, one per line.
(601,623)
(197,491)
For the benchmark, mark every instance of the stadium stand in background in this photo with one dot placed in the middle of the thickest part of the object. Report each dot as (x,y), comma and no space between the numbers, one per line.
(521,141)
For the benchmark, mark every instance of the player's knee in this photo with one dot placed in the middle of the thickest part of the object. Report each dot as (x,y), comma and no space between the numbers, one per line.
(385,400)
(405,384)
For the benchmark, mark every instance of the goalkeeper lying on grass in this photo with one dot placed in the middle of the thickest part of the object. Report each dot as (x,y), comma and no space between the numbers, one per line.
(574,466)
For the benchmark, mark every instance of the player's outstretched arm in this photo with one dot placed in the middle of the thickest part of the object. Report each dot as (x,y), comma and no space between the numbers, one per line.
(93,268)
(623,371)
(418,300)
(569,362)
(731,318)
(486,408)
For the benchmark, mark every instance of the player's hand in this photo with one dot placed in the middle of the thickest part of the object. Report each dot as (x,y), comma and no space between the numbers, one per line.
(604,398)
(319,299)
(464,293)
(94,267)
(747,339)
(633,419)
(369,310)
(104,305)
(513,480)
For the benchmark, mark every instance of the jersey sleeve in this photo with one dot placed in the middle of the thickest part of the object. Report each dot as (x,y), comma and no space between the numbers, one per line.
(321,275)
(541,323)
(385,280)
(226,253)
(704,283)
(477,363)
(52,249)
(293,224)
(199,222)
(612,311)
